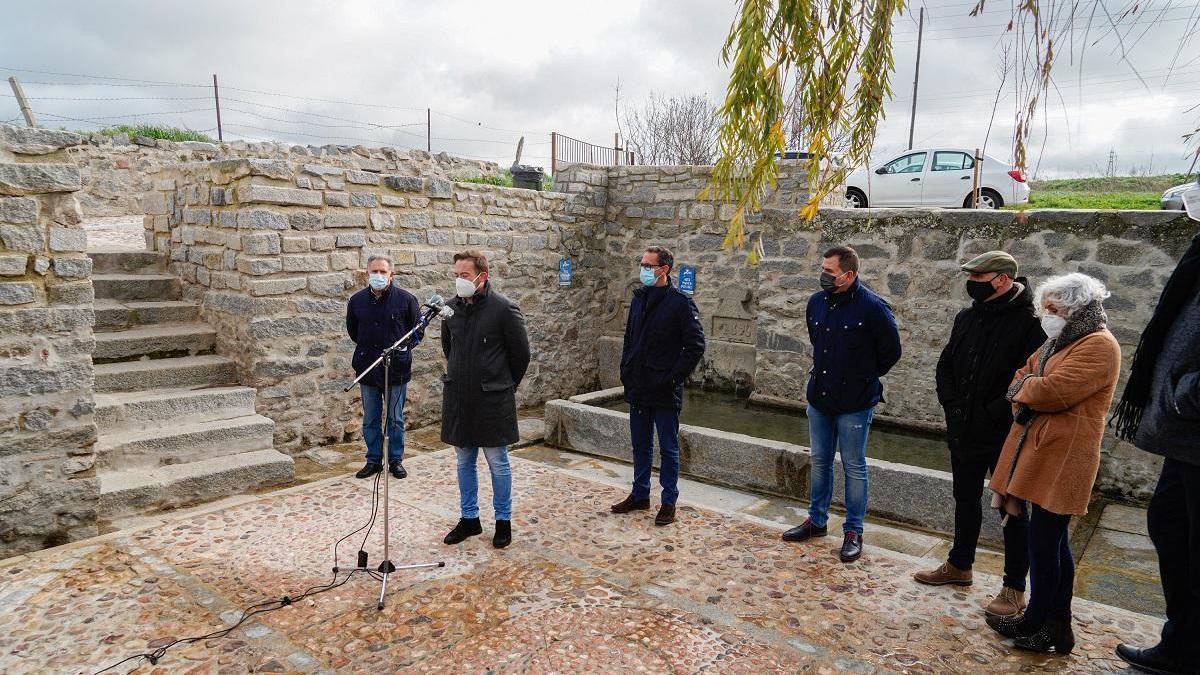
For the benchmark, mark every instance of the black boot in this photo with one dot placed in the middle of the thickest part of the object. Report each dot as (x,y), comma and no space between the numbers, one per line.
(466,527)
(1008,626)
(503,536)
(397,470)
(630,504)
(370,469)
(1055,635)
(1152,660)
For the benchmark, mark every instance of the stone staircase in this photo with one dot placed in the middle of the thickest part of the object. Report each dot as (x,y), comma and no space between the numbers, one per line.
(174,428)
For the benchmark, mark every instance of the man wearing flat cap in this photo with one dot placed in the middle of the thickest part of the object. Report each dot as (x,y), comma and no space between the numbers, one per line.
(990,340)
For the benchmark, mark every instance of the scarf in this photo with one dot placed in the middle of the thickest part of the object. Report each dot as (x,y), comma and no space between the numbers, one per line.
(1090,319)
(1128,415)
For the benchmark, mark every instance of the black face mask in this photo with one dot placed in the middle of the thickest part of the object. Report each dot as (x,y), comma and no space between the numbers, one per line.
(828,282)
(980,290)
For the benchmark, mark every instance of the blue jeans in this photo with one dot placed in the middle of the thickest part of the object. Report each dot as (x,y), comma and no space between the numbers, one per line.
(846,434)
(468,481)
(372,427)
(643,420)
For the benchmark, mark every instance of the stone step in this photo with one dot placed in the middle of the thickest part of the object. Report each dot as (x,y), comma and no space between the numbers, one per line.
(115,315)
(207,370)
(182,443)
(127,262)
(138,409)
(155,287)
(162,341)
(134,491)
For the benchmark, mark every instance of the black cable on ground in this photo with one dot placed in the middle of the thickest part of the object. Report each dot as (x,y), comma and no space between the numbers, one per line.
(272,605)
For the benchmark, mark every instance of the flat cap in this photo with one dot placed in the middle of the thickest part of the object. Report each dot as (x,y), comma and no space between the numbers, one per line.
(992,261)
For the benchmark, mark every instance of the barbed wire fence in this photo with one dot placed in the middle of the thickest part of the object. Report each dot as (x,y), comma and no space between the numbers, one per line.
(262,115)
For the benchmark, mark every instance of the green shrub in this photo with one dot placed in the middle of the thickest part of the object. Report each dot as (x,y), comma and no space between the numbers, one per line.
(155,131)
(505,179)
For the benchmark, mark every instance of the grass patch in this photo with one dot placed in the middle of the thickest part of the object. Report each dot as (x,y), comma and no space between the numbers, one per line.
(154,131)
(505,179)
(1109,192)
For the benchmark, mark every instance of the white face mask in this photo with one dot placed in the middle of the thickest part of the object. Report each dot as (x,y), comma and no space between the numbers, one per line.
(1053,325)
(464,288)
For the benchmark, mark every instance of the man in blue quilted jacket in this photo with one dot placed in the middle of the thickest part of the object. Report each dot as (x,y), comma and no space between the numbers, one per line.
(855,342)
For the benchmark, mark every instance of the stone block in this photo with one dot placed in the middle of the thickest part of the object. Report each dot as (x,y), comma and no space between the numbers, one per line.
(362,178)
(337,199)
(262,328)
(261,219)
(366,199)
(259,266)
(12,265)
(439,188)
(73,268)
(23,140)
(64,239)
(38,178)
(16,293)
(334,284)
(322,242)
(346,219)
(381,220)
(27,238)
(271,168)
(259,287)
(392,200)
(266,194)
(351,239)
(295,245)
(343,260)
(18,210)
(438,237)
(322,170)
(261,243)
(416,221)
(403,183)
(305,221)
(305,263)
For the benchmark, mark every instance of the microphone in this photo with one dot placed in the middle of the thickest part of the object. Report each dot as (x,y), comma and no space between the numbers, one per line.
(437,307)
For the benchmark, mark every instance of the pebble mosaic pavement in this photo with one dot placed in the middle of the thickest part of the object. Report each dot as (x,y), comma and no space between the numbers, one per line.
(580,590)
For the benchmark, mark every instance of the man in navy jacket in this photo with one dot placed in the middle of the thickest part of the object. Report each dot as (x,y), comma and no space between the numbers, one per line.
(663,343)
(376,317)
(855,342)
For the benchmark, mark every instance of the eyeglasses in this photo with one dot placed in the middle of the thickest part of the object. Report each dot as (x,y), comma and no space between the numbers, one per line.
(646,266)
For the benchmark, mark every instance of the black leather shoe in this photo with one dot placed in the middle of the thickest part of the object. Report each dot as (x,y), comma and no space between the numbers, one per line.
(666,515)
(851,547)
(630,504)
(397,470)
(1152,660)
(503,536)
(466,527)
(1008,626)
(370,469)
(805,530)
(1053,637)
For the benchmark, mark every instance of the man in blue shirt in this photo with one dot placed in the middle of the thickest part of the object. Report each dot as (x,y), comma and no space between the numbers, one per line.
(855,342)
(376,317)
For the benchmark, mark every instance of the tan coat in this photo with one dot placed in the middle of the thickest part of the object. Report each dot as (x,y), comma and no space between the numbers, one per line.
(1057,464)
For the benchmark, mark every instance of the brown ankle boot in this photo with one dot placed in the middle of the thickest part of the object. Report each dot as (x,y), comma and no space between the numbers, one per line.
(666,515)
(1008,602)
(947,574)
(630,504)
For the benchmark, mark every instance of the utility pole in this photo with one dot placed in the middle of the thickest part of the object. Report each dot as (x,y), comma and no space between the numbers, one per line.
(217,101)
(520,148)
(428,131)
(912,123)
(24,104)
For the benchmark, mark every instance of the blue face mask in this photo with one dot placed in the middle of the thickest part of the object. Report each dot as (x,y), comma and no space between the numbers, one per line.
(378,281)
(647,276)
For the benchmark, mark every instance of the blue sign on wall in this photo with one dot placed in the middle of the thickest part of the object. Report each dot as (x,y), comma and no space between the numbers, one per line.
(565,272)
(687,279)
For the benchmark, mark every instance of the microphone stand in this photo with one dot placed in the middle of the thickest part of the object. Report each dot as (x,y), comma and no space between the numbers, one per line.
(386,567)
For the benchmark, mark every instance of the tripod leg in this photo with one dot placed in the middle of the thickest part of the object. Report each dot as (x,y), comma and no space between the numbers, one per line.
(383,590)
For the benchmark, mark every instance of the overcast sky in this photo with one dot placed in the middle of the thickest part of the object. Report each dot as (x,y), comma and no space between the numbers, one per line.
(492,72)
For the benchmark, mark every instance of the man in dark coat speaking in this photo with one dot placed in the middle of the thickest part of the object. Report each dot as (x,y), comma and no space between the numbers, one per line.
(991,339)
(487,352)
(663,343)
(376,317)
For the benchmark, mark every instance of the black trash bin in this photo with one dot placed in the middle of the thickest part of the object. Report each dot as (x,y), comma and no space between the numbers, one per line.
(525,176)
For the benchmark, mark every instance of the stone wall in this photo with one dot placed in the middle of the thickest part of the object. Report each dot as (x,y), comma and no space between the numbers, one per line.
(114,168)
(48,488)
(754,315)
(273,249)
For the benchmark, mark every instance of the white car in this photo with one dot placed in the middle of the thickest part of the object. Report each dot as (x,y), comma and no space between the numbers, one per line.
(936,177)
